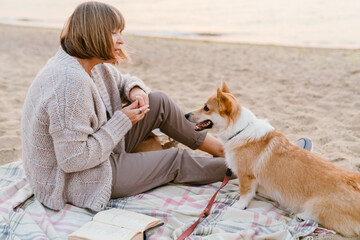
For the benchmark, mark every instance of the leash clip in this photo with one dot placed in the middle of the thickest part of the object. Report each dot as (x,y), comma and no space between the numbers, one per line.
(228,172)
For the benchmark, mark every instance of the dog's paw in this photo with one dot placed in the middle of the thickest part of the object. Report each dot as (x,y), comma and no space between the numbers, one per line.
(241,204)
(170,144)
(305,216)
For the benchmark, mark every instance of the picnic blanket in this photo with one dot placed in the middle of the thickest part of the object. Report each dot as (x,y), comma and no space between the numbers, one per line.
(178,206)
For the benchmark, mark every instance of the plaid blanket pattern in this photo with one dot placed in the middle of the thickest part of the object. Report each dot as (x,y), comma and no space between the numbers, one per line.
(23,217)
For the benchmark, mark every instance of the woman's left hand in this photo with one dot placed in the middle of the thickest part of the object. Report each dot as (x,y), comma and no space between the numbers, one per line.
(140,95)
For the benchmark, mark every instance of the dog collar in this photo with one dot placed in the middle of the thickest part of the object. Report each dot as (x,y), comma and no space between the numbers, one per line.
(237,133)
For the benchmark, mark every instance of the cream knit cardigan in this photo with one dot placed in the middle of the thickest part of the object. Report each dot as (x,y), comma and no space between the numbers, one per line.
(66,137)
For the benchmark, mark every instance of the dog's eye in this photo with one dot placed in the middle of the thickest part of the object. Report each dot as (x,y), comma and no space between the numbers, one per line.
(206,108)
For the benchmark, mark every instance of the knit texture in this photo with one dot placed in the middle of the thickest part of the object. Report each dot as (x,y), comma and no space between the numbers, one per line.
(66,137)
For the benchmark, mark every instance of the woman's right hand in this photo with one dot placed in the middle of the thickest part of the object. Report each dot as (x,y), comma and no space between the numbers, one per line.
(134,112)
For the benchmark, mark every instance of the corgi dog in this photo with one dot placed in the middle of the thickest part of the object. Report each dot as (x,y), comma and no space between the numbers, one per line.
(299,180)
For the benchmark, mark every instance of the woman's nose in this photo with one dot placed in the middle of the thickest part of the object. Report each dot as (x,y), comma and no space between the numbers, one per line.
(120,40)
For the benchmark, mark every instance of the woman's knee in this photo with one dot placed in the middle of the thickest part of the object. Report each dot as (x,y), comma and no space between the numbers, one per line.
(158,97)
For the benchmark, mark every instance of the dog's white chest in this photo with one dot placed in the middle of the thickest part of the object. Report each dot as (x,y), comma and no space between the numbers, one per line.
(231,161)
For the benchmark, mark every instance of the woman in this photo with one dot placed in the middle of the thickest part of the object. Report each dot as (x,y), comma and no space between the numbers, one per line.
(77,137)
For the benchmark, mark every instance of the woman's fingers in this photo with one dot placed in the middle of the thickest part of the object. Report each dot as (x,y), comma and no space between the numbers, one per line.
(141,101)
(133,105)
(140,113)
(135,114)
(143,110)
(140,95)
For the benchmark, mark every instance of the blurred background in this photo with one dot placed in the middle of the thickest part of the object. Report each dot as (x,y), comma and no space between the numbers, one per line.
(309,23)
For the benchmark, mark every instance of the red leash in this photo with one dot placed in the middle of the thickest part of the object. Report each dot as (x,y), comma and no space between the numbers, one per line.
(206,211)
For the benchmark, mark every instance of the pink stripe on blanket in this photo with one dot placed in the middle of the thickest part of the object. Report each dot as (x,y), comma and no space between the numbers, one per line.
(168,201)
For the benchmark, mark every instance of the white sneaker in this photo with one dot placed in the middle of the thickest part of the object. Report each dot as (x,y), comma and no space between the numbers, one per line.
(305,143)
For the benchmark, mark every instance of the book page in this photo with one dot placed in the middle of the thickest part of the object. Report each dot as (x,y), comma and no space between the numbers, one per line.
(99,231)
(126,219)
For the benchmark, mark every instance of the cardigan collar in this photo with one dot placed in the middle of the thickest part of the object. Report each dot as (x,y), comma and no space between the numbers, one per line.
(65,58)
(96,78)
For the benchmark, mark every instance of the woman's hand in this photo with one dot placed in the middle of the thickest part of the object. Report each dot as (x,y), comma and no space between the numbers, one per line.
(137,93)
(134,112)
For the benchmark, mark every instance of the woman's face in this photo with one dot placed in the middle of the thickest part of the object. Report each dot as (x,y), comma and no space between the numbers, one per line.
(117,41)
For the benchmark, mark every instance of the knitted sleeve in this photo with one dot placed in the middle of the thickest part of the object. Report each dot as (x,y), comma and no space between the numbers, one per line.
(126,82)
(79,142)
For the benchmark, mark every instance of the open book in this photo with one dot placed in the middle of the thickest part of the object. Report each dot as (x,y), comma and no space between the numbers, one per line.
(116,224)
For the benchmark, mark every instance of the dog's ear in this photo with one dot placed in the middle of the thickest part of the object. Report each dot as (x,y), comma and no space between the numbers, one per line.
(224,87)
(225,106)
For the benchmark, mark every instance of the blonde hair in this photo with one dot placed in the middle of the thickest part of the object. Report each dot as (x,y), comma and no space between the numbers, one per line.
(88,32)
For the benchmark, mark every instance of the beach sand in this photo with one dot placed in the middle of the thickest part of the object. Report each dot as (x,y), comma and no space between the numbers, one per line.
(301,91)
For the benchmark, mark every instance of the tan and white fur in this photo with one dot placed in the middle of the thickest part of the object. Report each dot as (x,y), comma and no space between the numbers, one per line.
(153,143)
(299,180)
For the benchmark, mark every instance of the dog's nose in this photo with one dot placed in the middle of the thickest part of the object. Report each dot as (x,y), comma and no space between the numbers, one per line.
(187,115)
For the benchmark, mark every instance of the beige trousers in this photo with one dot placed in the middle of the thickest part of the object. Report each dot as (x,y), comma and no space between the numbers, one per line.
(135,173)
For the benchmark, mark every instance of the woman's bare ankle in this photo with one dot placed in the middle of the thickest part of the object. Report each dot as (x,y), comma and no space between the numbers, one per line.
(212,146)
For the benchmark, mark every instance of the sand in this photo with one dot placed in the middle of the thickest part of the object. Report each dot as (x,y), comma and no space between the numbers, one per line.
(301,91)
